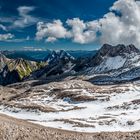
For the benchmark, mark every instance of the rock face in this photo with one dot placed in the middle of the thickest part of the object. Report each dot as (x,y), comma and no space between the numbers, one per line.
(3,61)
(16,70)
(110,58)
(12,71)
(56,56)
(109,63)
(108,50)
(113,51)
(58,63)
(115,64)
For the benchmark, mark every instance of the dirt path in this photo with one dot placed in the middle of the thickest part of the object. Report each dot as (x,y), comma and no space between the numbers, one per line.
(14,129)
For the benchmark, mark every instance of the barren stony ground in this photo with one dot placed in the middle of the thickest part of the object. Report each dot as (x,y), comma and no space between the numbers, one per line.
(14,129)
(62,105)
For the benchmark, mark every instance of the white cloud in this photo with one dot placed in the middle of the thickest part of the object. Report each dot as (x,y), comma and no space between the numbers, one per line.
(8,37)
(24,10)
(124,28)
(120,25)
(78,31)
(24,19)
(51,31)
(28,38)
(51,39)
(3,27)
(5,37)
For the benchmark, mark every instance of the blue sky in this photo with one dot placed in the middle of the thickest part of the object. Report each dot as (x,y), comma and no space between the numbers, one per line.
(60,24)
(48,10)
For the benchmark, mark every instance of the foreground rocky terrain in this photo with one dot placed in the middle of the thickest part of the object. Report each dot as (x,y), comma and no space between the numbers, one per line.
(14,129)
(74,104)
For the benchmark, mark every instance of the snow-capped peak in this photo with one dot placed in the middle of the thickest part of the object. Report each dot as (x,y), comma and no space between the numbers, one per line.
(56,56)
(120,49)
(110,58)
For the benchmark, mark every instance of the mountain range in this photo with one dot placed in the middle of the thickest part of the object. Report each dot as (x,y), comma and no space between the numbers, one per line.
(41,55)
(110,64)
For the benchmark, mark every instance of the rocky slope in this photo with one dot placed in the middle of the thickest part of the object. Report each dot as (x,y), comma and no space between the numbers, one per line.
(59,63)
(114,64)
(74,105)
(56,56)
(23,130)
(110,58)
(15,70)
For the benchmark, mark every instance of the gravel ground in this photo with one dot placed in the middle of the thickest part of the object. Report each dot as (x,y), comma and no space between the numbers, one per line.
(14,129)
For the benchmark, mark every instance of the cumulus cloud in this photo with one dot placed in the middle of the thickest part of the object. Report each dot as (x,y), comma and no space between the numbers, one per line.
(5,37)
(81,32)
(78,31)
(51,31)
(119,25)
(123,28)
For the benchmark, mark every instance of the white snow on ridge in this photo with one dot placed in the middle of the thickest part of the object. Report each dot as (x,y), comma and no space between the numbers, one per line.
(116,65)
(113,63)
(109,63)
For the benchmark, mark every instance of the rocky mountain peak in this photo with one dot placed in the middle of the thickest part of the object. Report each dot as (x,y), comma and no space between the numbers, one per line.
(56,56)
(120,49)
(3,61)
(2,57)
(109,51)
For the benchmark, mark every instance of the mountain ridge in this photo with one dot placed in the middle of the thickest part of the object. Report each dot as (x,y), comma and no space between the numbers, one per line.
(15,70)
(111,61)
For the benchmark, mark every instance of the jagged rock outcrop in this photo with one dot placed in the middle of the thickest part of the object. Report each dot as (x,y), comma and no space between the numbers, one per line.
(57,56)
(108,50)
(12,71)
(115,64)
(3,61)
(59,62)
(113,51)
